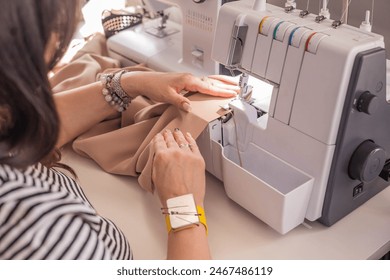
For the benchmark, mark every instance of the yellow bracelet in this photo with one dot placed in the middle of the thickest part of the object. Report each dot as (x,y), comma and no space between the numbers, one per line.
(202,220)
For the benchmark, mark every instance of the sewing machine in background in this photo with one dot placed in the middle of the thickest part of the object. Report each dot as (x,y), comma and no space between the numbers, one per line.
(166,45)
(316,144)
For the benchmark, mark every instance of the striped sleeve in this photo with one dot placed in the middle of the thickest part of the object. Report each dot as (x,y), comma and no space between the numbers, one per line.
(40,221)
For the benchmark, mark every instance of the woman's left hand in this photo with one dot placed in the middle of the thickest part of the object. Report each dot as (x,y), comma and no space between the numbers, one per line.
(167,87)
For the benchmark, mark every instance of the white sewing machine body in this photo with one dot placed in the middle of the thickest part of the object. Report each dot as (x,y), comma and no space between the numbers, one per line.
(318,151)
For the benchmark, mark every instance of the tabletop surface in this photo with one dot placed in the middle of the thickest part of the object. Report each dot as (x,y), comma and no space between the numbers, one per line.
(234,233)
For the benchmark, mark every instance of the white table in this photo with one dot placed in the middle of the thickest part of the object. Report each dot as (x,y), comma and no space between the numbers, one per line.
(234,233)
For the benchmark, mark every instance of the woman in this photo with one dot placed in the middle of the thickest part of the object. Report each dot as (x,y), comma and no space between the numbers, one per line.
(43,212)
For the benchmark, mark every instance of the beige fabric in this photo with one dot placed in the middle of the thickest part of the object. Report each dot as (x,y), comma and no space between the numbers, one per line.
(121,146)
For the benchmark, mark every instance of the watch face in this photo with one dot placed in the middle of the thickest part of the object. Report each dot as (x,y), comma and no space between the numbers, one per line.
(182,211)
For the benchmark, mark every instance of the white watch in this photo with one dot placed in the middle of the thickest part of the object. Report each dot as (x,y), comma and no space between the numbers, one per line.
(182,211)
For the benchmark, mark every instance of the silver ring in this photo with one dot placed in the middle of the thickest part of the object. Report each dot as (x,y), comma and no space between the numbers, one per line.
(183,146)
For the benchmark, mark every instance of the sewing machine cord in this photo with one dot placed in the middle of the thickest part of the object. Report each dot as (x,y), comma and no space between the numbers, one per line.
(307,5)
(344,13)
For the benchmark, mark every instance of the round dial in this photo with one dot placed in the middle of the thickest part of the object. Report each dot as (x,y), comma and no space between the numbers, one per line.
(367,103)
(367,162)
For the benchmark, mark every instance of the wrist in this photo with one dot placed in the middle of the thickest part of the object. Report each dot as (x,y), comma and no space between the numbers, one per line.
(130,81)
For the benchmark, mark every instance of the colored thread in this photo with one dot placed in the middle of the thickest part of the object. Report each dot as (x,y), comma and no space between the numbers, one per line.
(292,34)
(276,28)
(308,41)
(262,23)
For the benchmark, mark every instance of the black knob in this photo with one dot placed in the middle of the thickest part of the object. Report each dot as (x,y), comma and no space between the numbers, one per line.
(367,162)
(367,103)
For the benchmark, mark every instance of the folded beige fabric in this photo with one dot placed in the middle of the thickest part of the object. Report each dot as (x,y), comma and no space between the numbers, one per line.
(121,146)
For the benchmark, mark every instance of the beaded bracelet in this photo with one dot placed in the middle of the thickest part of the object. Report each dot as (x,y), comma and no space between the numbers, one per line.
(113,92)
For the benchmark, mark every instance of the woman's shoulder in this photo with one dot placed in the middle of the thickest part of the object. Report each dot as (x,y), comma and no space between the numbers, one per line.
(40,179)
(40,200)
(37,189)
(37,186)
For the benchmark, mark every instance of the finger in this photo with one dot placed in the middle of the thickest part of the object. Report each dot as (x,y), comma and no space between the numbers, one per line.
(191,141)
(225,79)
(221,85)
(180,139)
(206,86)
(159,142)
(169,140)
(178,100)
(219,92)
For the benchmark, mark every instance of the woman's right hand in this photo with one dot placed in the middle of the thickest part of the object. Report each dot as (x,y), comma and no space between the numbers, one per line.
(178,166)
(179,169)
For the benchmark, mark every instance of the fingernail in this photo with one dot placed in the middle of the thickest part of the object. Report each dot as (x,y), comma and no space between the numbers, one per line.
(187,107)
(189,134)
(177,129)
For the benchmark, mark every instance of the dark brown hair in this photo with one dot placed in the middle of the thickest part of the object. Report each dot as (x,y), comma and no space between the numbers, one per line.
(29,124)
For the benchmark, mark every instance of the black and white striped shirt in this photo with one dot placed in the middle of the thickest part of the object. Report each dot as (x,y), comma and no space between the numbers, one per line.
(44,214)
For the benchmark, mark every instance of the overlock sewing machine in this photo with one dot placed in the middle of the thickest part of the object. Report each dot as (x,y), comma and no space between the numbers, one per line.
(320,147)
